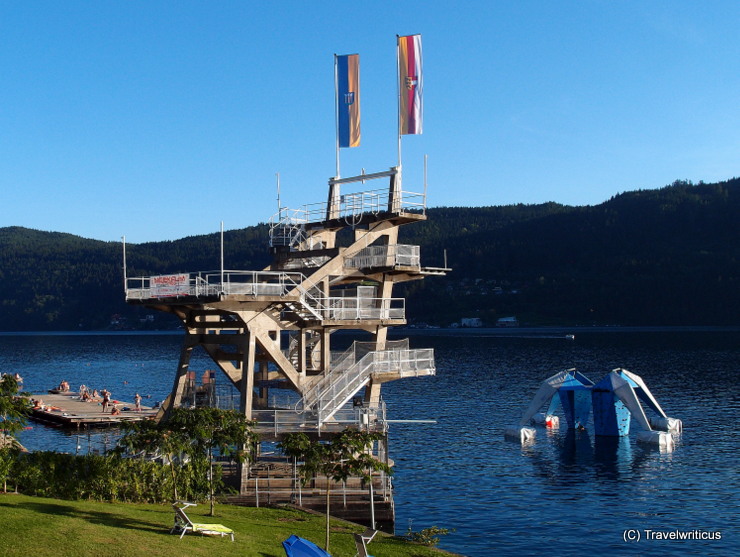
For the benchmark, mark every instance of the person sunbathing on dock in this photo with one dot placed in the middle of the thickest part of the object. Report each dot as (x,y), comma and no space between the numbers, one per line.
(115,411)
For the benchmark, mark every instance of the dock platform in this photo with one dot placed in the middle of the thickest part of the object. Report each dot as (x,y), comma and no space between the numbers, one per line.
(67,410)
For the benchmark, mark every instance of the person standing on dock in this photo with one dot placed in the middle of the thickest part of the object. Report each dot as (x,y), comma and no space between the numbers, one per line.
(137,402)
(106,399)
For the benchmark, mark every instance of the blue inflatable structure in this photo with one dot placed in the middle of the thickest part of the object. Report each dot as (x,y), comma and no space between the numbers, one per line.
(575,397)
(615,400)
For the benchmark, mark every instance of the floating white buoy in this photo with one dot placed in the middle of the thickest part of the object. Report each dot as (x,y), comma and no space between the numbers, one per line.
(674,425)
(521,434)
(660,439)
(552,421)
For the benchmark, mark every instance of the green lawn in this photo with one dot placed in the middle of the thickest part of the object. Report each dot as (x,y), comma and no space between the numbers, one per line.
(40,527)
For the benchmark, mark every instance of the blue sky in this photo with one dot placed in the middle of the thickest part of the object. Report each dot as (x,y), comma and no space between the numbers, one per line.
(159,120)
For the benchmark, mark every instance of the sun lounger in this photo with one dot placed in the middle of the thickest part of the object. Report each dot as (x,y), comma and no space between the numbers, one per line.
(361,541)
(183,523)
(299,547)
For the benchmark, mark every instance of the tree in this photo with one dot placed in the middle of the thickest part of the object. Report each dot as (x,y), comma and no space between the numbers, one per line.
(13,413)
(214,430)
(347,454)
(191,435)
(155,439)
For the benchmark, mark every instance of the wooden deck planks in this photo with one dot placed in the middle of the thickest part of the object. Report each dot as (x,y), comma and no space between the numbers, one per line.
(66,409)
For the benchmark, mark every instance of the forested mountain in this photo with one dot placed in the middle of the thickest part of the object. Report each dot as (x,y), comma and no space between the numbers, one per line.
(669,256)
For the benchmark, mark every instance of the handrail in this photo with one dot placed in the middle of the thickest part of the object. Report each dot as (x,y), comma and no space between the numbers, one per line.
(278,284)
(407,363)
(339,365)
(335,388)
(385,256)
(350,205)
(358,308)
(362,417)
(209,283)
(305,296)
(288,226)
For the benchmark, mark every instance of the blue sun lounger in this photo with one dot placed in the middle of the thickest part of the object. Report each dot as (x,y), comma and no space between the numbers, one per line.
(299,547)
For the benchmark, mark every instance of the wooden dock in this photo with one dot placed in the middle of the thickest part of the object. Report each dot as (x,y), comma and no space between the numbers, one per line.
(67,410)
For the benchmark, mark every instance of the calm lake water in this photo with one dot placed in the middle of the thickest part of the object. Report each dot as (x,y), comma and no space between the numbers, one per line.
(565,494)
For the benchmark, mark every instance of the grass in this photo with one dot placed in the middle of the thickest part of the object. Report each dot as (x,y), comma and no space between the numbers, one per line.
(52,527)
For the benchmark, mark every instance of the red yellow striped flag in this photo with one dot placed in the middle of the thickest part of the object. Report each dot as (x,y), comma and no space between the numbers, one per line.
(411,85)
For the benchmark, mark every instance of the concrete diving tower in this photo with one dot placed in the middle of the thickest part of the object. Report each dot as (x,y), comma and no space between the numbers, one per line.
(270,331)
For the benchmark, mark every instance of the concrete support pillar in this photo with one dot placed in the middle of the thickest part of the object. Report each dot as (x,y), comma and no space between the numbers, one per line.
(178,387)
(246,400)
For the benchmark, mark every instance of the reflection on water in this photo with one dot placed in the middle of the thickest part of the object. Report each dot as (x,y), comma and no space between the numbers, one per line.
(569,492)
(568,489)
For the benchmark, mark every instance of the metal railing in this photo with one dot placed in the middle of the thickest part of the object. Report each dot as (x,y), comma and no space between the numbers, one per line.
(305,262)
(359,308)
(385,256)
(268,490)
(351,205)
(405,363)
(279,421)
(265,283)
(353,370)
(288,226)
(341,364)
(212,283)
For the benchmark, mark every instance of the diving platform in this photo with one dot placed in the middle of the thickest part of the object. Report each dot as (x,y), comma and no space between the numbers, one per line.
(69,410)
(270,332)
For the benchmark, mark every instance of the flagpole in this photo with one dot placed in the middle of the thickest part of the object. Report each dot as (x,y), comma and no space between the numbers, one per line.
(125,279)
(426,160)
(336,113)
(398,99)
(277,178)
(222,257)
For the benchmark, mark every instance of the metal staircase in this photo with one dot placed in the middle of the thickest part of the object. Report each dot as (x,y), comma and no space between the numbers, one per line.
(287,229)
(293,351)
(349,374)
(309,305)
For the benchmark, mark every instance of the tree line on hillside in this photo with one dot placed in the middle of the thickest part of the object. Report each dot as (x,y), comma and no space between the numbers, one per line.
(655,257)
(668,256)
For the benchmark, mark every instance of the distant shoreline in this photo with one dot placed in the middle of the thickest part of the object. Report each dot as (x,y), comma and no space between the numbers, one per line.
(445,331)
(517,331)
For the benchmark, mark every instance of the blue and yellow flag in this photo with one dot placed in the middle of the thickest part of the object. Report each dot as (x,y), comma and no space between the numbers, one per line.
(348,100)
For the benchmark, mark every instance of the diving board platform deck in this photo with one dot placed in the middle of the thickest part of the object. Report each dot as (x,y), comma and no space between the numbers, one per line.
(269,331)
(67,410)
